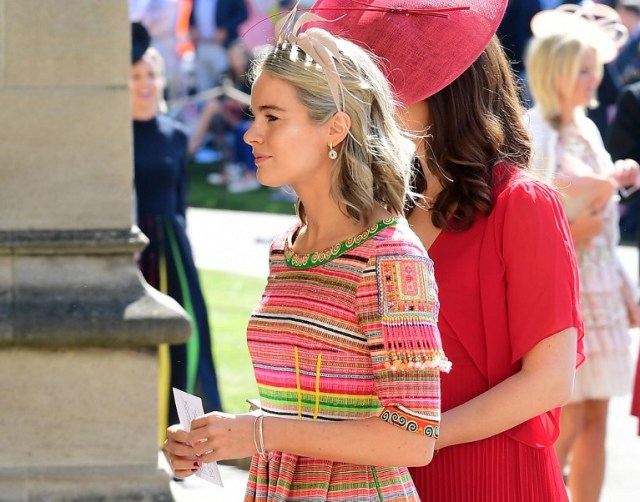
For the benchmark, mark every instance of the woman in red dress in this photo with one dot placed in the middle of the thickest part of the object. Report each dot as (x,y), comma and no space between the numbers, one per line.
(503,256)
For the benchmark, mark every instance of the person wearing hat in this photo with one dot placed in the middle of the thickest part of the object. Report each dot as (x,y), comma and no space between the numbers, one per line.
(564,64)
(344,341)
(160,157)
(503,257)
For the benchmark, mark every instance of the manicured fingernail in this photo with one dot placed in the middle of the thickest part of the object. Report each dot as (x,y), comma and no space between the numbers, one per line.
(195,469)
(197,463)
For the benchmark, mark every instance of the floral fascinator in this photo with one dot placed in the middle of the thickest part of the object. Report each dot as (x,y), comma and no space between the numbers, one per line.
(319,46)
(598,22)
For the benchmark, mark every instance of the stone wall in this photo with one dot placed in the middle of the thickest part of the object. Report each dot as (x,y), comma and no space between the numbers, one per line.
(79,328)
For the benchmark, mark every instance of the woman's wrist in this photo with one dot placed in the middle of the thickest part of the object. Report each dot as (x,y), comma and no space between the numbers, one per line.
(259,440)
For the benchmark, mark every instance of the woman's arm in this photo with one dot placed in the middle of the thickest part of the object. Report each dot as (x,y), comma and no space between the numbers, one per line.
(371,441)
(544,382)
(367,441)
(585,226)
(584,198)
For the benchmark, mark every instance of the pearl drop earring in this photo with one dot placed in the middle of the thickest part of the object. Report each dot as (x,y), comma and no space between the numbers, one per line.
(333,155)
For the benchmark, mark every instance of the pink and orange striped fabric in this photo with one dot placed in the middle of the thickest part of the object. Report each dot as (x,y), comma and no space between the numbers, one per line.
(347,334)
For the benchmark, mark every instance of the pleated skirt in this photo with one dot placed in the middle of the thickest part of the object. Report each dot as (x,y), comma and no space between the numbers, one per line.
(607,370)
(497,469)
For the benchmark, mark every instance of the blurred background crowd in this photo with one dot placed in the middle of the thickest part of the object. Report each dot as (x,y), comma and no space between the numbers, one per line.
(204,51)
(207,47)
(618,88)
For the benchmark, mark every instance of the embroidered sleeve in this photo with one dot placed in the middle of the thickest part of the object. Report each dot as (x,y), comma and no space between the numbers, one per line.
(399,303)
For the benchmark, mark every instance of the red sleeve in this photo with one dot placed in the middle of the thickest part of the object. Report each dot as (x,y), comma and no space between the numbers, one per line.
(541,269)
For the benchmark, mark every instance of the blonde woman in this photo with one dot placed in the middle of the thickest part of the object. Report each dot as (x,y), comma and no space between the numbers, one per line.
(344,342)
(564,69)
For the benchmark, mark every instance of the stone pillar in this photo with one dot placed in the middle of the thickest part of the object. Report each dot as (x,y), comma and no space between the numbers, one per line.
(79,329)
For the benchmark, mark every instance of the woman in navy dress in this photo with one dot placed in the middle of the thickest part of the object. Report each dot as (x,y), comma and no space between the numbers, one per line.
(160,155)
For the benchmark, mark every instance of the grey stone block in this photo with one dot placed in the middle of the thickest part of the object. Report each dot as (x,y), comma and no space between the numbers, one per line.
(66,159)
(65,44)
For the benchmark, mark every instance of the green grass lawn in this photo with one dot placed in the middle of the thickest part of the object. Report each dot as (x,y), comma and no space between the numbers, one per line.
(230,299)
(203,194)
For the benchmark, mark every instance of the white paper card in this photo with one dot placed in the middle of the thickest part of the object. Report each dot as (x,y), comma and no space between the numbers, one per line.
(190,407)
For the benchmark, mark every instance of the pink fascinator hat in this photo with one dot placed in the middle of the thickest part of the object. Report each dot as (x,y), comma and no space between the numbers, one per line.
(424,45)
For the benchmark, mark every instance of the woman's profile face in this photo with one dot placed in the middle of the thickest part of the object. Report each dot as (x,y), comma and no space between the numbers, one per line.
(146,85)
(289,147)
(588,80)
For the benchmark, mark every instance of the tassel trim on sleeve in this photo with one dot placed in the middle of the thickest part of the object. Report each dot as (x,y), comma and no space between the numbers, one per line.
(408,305)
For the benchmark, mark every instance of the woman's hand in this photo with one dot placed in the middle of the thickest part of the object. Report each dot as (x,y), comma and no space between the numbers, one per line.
(218,436)
(626,173)
(179,453)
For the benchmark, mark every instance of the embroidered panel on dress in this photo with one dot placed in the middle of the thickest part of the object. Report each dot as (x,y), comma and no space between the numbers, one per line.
(404,287)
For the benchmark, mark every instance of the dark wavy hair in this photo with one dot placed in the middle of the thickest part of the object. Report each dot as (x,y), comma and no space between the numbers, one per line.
(476,121)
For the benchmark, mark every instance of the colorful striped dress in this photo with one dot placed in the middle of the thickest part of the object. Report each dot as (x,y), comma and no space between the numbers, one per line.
(345,334)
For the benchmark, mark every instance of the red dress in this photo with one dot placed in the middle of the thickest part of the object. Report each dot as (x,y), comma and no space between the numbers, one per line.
(635,404)
(504,285)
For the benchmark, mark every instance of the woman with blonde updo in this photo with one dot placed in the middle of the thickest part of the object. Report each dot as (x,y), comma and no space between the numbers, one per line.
(344,342)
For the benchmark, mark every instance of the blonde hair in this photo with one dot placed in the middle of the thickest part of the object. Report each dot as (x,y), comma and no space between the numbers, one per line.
(374,160)
(553,65)
(154,58)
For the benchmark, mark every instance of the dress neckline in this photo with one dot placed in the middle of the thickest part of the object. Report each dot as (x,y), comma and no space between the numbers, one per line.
(295,260)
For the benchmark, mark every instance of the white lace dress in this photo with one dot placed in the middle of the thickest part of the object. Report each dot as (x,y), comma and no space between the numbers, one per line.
(607,370)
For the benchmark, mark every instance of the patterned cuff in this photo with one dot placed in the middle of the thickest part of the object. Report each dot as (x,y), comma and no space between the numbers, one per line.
(409,422)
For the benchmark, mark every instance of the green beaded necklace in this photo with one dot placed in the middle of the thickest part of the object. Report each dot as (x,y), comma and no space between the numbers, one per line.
(295,260)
